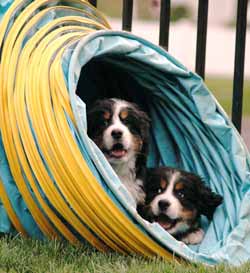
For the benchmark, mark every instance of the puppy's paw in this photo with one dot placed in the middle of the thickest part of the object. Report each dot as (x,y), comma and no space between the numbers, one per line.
(194,237)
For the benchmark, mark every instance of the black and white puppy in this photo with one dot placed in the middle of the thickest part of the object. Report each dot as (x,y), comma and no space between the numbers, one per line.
(120,129)
(176,199)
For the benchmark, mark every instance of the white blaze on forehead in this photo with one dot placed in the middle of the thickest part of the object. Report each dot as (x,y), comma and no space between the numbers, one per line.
(116,124)
(118,106)
(175,207)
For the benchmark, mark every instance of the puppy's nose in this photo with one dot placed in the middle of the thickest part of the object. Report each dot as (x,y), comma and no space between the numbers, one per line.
(116,134)
(163,205)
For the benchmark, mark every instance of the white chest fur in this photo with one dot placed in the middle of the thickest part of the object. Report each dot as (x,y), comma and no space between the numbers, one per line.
(133,185)
(135,188)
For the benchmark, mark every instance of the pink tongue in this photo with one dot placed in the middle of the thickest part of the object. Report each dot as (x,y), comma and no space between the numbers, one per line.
(165,225)
(118,153)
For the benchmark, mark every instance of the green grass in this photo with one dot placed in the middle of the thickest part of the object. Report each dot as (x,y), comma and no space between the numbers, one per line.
(18,255)
(222,89)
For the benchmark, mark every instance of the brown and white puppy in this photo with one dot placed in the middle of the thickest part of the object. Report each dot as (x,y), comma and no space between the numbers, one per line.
(176,199)
(120,129)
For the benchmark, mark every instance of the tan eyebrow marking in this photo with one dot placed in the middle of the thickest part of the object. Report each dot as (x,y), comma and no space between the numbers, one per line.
(106,115)
(179,186)
(124,114)
(163,183)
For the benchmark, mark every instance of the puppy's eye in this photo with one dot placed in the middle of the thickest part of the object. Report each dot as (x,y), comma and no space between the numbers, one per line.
(159,190)
(106,118)
(106,115)
(181,194)
(106,122)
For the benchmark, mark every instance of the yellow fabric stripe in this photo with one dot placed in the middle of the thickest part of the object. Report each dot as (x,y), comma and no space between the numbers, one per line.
(39,218)
(13,160)
(10,85)
(23,122)
(29,145)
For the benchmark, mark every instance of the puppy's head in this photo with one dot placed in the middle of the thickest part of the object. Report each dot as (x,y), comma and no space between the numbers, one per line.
(120,129)
(175,198)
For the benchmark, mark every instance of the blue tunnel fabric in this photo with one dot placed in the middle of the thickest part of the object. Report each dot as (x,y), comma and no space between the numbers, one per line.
(189,130)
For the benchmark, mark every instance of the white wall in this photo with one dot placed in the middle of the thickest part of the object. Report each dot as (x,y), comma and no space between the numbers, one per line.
(220,11)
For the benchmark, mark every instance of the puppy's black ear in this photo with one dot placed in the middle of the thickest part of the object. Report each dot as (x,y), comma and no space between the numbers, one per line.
(208,201)
(144,121)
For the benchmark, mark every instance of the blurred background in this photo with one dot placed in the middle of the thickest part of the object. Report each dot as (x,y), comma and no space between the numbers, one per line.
(182,42)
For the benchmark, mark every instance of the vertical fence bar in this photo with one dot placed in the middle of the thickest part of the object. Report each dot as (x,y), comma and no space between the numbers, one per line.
(201,38)
(93,2)
(127,13)
(240,43)
(164,23)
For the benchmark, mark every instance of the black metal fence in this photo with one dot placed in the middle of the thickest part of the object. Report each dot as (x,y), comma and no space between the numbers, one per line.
(240,41)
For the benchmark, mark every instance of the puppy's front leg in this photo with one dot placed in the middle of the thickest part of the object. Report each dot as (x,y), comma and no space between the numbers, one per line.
(194,237)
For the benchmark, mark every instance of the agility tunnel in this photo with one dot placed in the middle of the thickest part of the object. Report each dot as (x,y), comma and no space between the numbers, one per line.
(56,58)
